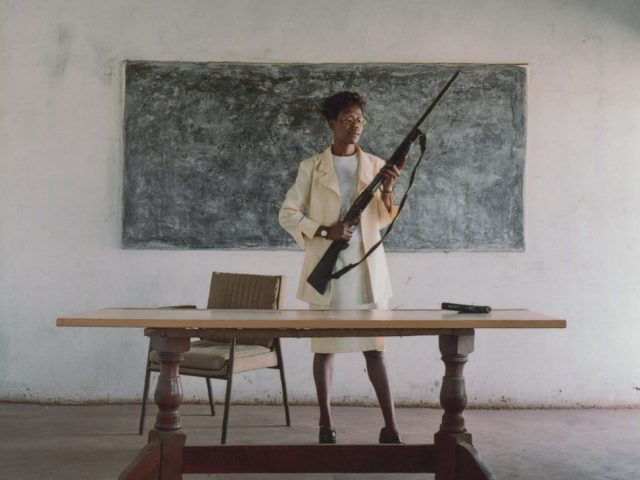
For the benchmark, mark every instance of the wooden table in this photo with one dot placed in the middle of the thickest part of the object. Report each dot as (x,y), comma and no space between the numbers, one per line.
(166,457)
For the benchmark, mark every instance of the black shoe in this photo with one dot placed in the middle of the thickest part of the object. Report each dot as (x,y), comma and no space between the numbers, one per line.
(389,438)
(327,435)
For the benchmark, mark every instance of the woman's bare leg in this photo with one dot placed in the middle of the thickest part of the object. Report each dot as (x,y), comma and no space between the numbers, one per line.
(377,370)
(323,377)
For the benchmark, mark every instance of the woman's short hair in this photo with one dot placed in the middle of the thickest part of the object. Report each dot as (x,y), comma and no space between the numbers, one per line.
(334,104)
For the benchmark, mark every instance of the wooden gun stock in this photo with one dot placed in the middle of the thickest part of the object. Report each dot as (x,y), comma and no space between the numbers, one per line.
(321,275)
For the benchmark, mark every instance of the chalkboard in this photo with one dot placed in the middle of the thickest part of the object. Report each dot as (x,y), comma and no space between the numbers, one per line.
(212,148)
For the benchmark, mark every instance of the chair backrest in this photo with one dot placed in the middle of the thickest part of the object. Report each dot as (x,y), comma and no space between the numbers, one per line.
(247,291)
(241,290)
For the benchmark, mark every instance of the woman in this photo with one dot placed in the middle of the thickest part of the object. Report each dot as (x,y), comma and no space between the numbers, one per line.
(326,186)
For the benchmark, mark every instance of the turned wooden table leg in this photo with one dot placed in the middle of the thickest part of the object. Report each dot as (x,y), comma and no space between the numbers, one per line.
(161,459)
(453,398)
(168,394)
(168,397)
(456,457)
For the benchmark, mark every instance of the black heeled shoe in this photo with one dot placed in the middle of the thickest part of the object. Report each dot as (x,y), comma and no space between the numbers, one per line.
(389,438)
(327,435)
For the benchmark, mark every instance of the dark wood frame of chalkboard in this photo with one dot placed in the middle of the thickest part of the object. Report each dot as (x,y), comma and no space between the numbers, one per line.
(211,149)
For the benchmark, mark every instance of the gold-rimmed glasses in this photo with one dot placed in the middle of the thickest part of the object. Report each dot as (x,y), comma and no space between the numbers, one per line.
(350,120)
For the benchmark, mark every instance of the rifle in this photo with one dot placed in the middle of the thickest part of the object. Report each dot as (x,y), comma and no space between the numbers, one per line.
(323,273)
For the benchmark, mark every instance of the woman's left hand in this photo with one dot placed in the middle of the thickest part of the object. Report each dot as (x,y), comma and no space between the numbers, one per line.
(390,173)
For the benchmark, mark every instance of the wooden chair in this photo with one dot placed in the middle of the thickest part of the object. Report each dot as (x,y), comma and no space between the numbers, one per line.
(220,358)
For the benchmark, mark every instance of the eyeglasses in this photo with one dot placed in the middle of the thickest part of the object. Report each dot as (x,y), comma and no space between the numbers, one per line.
(351,120)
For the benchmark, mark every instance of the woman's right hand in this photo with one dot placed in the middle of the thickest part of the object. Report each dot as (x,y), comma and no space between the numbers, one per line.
(340,231)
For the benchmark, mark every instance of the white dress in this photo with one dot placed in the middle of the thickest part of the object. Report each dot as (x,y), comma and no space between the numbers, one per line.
(352,291)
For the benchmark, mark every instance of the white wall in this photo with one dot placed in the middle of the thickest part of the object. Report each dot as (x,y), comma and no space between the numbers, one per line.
(61,103)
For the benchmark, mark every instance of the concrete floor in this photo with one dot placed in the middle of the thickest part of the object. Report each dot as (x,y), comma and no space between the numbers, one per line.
(96,442)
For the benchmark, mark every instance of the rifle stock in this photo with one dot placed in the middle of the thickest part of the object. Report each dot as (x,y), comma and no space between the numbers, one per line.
(322,274)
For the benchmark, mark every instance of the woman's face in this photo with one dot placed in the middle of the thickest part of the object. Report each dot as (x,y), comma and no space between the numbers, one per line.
(349,125)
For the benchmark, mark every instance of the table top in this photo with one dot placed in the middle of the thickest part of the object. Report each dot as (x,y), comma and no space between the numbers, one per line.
(396,320)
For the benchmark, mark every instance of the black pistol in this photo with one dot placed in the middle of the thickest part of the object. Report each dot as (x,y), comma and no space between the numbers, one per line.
(458,307)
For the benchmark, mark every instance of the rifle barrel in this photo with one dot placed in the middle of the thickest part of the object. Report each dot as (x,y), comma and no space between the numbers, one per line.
(437,100)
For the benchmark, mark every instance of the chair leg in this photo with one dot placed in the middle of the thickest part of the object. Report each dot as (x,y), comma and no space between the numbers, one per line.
(225,418)
(285,399)
(145,394)
(227,396)
(210,392)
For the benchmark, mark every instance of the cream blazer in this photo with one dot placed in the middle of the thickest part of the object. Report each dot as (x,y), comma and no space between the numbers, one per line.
(314,200)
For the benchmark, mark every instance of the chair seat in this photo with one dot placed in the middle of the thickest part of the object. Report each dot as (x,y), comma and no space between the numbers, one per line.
(208,358)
